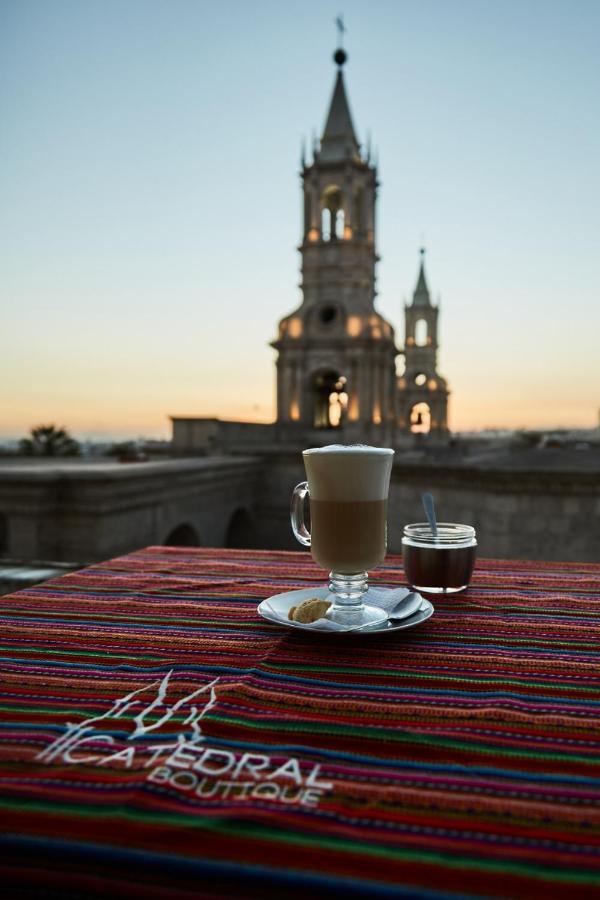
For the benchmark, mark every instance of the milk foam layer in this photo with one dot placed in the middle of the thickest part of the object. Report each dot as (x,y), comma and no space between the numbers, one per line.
(340,473)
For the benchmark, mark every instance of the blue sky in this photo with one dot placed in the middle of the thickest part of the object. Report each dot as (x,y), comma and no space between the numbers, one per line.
(150,203)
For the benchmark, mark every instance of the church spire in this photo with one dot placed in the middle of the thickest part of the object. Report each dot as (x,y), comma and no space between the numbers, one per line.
(339,139)
(421,295)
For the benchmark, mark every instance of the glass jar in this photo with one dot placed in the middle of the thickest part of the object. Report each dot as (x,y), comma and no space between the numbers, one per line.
(442,564)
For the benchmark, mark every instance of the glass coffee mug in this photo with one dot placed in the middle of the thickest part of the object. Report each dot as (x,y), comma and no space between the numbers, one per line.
(348,491)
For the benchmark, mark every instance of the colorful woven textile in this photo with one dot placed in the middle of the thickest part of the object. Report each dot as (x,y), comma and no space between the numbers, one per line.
(159,739)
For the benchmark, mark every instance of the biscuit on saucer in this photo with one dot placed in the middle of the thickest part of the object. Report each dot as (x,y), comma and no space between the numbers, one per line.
(309,610)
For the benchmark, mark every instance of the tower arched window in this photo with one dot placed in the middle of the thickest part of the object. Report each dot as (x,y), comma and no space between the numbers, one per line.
(421,332)
(331,204)
(339,224)
(330,399)
(420,418)
(326,225)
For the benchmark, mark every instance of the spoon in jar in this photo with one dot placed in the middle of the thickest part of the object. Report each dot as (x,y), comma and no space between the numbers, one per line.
(429,508)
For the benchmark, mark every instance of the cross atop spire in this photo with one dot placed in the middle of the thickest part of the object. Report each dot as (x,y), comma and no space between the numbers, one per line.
(340,56)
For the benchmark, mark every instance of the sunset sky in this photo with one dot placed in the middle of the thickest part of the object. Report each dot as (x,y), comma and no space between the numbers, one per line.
(150,206)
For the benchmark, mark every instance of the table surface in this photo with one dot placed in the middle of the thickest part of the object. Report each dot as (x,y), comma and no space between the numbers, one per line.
(159,739)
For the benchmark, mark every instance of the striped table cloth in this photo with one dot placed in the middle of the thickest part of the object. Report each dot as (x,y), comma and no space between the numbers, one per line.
(159,739)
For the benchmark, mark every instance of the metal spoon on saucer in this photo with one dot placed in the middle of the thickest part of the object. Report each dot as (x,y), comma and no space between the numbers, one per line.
(406,607)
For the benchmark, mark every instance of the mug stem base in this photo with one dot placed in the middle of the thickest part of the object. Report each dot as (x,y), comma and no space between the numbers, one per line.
(347,592)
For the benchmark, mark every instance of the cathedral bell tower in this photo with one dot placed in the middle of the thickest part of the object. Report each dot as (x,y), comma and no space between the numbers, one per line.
(422,393)
(336,373)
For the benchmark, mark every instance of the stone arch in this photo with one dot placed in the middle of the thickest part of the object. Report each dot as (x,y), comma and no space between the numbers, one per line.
(240,530)
(421,332)
(327,397)
(420,418)
(331,208)
(184,535)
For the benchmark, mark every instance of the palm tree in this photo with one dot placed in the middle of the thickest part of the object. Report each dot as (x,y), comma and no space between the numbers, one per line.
(48,440)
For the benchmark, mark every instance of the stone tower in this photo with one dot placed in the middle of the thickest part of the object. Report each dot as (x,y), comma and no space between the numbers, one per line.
(422,393)
(336,377)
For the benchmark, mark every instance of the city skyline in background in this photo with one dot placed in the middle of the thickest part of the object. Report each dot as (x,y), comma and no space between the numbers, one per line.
(151,204)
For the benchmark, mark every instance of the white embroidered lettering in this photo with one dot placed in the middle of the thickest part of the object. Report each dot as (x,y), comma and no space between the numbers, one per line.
(290,769)
(311,781)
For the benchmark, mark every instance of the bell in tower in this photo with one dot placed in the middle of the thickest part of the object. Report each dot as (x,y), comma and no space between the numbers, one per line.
(336,377)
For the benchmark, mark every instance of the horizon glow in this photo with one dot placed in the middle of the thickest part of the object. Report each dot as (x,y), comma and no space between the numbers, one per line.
(151,208)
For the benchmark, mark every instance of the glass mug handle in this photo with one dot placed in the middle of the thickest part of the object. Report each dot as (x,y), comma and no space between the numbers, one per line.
(301,532)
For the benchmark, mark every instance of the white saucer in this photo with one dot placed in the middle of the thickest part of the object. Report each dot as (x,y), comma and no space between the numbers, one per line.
(278,606)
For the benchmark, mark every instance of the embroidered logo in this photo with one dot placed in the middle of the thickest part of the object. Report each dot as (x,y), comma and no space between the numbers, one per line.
(165,738)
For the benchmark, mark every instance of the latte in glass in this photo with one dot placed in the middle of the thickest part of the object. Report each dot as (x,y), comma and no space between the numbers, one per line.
(348,489)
